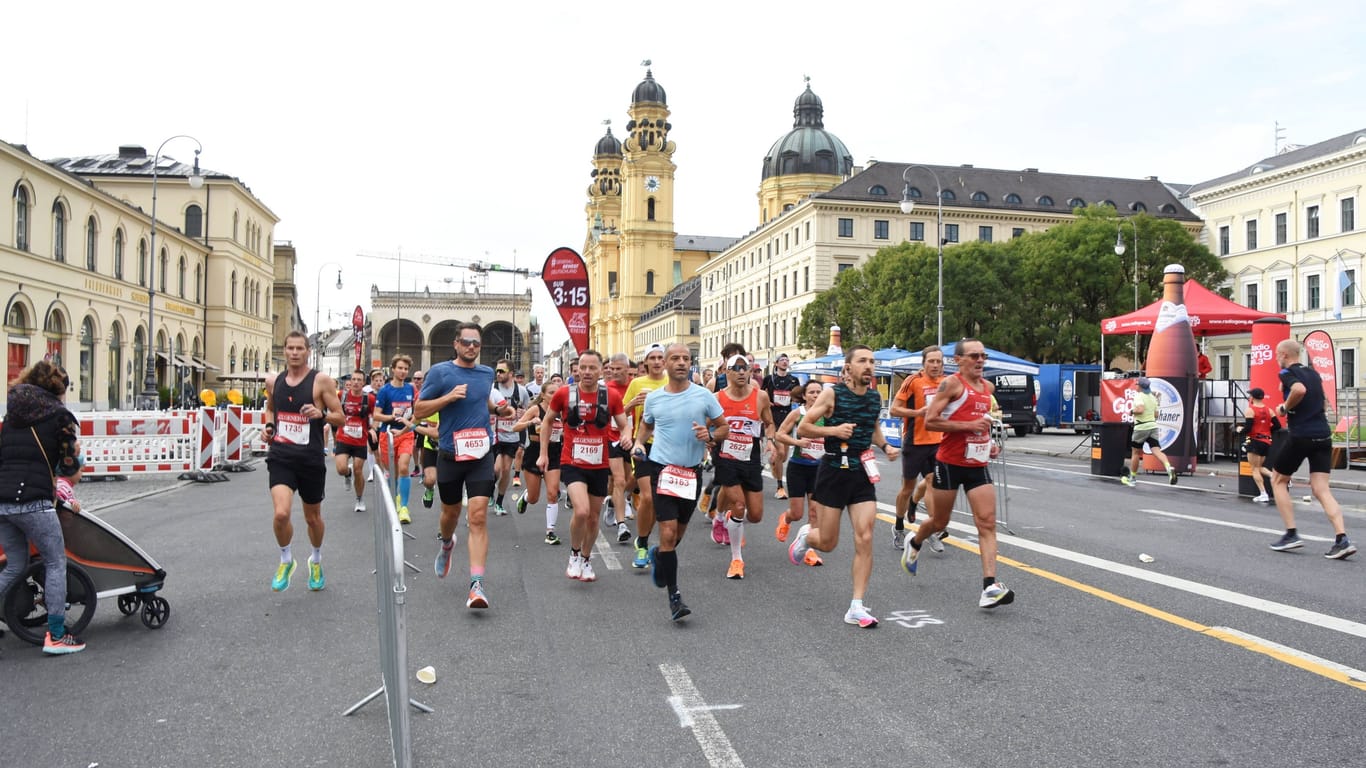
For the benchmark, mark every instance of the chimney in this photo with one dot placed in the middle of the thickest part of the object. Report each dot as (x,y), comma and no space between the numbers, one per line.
(130,151)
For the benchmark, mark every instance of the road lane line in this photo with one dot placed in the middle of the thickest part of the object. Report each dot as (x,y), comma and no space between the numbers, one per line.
(694,713)
(606,554)
(1285,653)
(1227,524)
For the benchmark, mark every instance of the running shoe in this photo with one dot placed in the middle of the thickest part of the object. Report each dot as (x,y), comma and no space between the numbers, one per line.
(443,558)
(1171,476)
(718,529)
(994,595)
(899,539)
(655,575)
(315,576)
(360,505)
(642,558)
(587,573)
(736,570)
(860,617)
(813,558)
(1262,499)
(630,511)
(521,505)
(910,557)
(477,598)
(704,503)
(1341,550)
(67,643)
(551,538)
(677,609)
(1287,542)
(1128,480)
(797,550)
(428,496)
(575,569)
(346,480)
(936,541)
(517,479)
(498,510)
(781,493)
(783,528)
(623,533)
(283,574)
(403,516)
(609,514)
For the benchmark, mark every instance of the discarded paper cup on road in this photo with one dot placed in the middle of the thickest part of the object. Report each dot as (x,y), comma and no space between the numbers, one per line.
(426,675)
(1144,557)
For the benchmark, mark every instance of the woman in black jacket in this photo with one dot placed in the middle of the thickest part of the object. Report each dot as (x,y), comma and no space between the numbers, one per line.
(40,438)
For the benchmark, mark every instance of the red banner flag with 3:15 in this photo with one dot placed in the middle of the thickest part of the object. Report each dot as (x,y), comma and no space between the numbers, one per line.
(566,278)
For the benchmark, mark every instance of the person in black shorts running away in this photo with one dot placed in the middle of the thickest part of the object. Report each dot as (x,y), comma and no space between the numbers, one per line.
(848,473)
(1310,438)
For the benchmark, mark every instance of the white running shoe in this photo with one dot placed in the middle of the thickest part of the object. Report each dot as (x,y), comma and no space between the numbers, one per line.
(586,570)
(860,617)
(575,569)
(360,505)
(996,594)
(1263,499)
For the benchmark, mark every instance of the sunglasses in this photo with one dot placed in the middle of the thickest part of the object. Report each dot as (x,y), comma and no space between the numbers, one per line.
(739,367)
(976,355)
(417,378)
(471,343)
(502,370)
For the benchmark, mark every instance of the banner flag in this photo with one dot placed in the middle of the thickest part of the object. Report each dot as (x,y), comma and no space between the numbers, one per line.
(1319,345)
(566,278)
(358,325)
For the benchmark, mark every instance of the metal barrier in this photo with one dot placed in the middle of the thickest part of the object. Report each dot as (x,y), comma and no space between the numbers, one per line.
(390,597)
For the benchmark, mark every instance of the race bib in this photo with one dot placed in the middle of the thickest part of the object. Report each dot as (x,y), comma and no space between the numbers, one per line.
(738,446)
(353,431)
(471,444)
(814,450)
(557,435)
(978,451)
(782,398)
(291,428)
(869,460)
(679,482)
(505,425)
(586,450)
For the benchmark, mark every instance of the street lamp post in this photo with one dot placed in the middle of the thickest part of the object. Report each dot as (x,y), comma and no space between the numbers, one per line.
(908,205)
(148,400)
(1119,251)
(317,310)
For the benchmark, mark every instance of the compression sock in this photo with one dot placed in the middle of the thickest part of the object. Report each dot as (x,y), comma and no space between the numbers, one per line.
(404,484)
(552,514)
(736,529)
(901,524)
(667,564)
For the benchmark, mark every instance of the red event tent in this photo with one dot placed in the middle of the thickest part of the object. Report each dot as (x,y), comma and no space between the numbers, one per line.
(1210,315)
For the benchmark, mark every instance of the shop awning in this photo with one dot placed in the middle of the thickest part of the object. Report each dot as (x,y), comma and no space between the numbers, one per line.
(205,365)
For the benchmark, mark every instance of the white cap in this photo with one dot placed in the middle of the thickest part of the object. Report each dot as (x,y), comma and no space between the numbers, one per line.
(737,360)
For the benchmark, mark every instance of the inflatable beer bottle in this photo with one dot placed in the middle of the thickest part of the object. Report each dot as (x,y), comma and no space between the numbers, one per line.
(1172,369)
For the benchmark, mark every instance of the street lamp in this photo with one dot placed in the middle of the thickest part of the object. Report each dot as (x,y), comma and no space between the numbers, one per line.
(148,399)
(317,309)
(908,205)
(1119,251)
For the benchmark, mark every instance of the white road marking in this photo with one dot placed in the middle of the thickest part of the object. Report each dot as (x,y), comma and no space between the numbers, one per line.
(606,555)
(1351,672)
(1227,524)
(694,713)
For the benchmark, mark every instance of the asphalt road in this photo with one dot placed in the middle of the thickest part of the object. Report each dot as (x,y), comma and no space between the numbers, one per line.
(1219,652)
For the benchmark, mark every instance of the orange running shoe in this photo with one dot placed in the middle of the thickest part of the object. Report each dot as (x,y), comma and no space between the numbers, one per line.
(781,493)
(737,570)
(812,558)
(783,527)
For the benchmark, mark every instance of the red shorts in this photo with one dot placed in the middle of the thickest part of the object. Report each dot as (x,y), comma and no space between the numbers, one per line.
(403,446)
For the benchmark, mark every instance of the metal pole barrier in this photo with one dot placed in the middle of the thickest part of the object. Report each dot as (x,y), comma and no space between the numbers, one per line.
(391,596)
(998,433)
(392,485)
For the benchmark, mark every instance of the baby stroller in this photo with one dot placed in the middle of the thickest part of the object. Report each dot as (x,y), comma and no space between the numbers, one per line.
(100,562)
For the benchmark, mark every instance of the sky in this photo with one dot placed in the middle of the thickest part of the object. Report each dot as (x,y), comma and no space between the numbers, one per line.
(451,133)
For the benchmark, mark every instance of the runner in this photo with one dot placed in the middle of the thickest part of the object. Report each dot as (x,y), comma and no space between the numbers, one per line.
(739,469)
(552,471)
(537,380)
(350,449)
(961,410)
(462,392)
(376,382)
(506,441)
(679,422)
(1258,425)
(588,410)
(299,399)
(1145,432)
(847,475)
(428,432)
(801,466)
(618,376)
(530,424)
(653,378)
(394,411)
(918,444)
(781,388)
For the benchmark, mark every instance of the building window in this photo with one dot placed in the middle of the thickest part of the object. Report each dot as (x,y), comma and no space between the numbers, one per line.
(678,273)
(846,227)
(1252,234)
(984,234)
(880,230)
(233,297)
(1349,214)
(1047,201)
(1312,288)
(808,230)
(21,216)
(1280,229)
(118,254)
(806,278)
(842,267)
(1013,199)
(1312,222)
(90,243)
(650,209)
(194,221)
(650,282)
(979,197)
(1076,202)
(1282,296)
(947,195)
(180,278)
(87,360)
(142,263)
(612,284)
(198,281)
(1223,240)
(164,266)
(1347,374)
(1224,363)
(917,231)
(1349,294)
(1251,293)
(1016,232)
(950,233)
(59,231)
(692,327)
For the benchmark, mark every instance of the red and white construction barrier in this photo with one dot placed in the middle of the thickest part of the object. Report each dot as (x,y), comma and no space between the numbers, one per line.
(140,444)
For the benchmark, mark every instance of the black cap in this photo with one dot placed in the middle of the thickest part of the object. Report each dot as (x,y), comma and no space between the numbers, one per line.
(1256,393)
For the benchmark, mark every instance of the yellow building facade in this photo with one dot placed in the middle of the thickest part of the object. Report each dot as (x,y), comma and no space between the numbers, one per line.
(1289,232)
